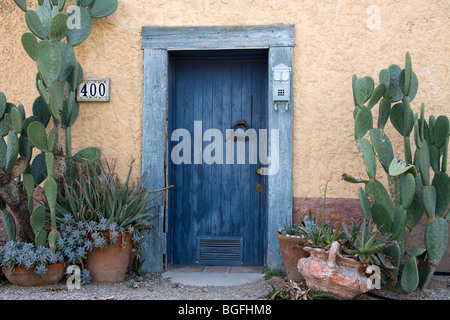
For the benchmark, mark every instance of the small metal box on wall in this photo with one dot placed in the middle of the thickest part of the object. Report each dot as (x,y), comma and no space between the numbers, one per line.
(281,85)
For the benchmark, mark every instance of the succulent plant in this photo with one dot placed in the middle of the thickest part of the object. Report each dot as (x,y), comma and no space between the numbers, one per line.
(411,191)
(20,254)
(58,76)
(366,244)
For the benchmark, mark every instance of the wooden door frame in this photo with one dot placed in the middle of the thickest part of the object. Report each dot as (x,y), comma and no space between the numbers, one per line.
(156,43)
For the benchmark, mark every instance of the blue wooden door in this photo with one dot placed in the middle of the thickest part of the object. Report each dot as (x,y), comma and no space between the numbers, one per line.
(217,211)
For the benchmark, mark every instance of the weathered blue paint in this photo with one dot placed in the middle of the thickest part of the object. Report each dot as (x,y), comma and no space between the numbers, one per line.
(217,201)
(154,126)
(156,42)
(229,37)
(280,185)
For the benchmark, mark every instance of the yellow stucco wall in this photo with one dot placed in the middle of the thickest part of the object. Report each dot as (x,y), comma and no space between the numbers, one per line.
(334,40)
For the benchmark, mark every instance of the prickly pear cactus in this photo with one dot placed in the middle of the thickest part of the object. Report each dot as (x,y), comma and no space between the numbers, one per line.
(413,189)
(50,42)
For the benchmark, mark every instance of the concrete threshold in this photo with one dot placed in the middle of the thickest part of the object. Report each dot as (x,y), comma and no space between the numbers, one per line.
(213,275)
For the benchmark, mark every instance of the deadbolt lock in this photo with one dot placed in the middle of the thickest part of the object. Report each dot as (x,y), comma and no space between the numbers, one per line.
(259,171)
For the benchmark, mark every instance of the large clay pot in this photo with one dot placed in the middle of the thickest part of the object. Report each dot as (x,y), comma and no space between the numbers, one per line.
(22,276)
(110,264)
(292,251)
(330,272)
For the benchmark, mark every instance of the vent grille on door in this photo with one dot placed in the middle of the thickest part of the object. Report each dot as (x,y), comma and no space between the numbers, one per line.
(219,251)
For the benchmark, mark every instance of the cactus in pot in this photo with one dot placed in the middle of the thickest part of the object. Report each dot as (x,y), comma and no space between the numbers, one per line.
(50,43)
(411,191)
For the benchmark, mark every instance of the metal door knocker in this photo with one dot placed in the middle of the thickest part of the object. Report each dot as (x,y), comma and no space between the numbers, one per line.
(240,123)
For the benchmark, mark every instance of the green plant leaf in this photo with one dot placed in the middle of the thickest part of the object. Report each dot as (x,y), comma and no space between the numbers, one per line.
(398,224)
(441,131)
(49,62)
(363,90)
(22,4)
(68,60)
(436,237)
(45,15)
(12,151)
(429,201)
(35,24)
(385,78)
(395,92)
(3,103)
(364,204)
(382,147)
(88,154)
(58,28)
(29,43)
(441,181)
(51,191)
(3,148)
(37,219)
(10,225)
(40,238)
(376,95)
(397,120)
(38,136)
(379,193)
(16,120)
(369,156)
(38,168)
(56,99)
(384,112)
(78,34)
(406,85)
(382,217)
(363,122)
(410,275)
(398,167)
(415,252)
(103,8)
(41,111)
(408,190)
(28,183)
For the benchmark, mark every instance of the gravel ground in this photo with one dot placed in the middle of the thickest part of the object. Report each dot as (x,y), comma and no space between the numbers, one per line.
(155,287)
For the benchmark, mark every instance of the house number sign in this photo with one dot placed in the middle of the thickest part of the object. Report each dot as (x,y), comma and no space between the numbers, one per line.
(93,89)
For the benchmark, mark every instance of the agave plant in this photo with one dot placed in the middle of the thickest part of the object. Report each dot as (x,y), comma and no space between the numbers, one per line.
(366,244)
(95,193)
(319,235)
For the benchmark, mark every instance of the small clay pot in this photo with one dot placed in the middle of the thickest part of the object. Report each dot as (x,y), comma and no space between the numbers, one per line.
(292,251)
(110,264)
(330,272)
(24,277)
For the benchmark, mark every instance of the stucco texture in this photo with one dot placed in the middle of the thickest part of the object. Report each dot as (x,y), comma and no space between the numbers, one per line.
(334,40)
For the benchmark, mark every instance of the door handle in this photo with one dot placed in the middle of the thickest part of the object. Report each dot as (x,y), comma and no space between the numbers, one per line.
(259,171)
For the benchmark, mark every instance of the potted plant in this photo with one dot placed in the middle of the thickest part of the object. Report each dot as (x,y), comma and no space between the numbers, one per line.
(343,273)
(291,243)
(294,237)
(25,264)
(103,220)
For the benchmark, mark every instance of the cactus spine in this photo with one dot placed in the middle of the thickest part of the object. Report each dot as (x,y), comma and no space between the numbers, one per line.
(411,190)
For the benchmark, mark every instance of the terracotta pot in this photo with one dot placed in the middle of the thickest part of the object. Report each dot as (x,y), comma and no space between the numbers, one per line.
(292,251)
(110,264)
(330,272)
(22,276)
